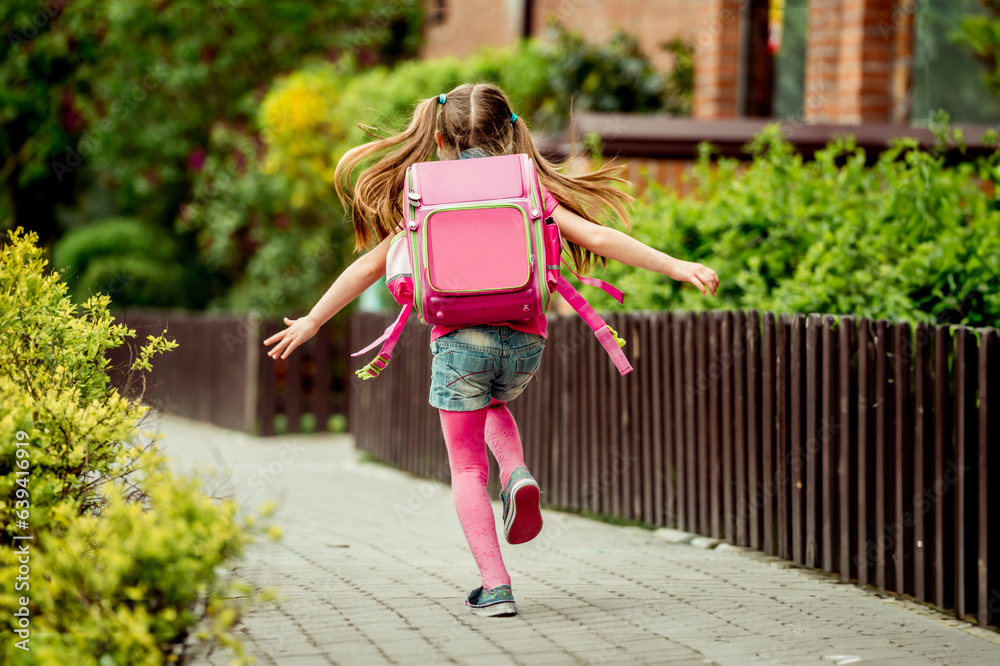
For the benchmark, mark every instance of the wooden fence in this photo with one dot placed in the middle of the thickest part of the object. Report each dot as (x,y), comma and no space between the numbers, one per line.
(220,372)
(308,387)
(860,447)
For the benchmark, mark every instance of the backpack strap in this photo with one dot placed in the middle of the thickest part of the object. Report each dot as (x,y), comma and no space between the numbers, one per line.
(390,337)
(607,336)
(612,291)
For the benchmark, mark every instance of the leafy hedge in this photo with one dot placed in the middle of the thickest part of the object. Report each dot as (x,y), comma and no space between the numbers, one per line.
(132,262)
(122,556)
(907,238)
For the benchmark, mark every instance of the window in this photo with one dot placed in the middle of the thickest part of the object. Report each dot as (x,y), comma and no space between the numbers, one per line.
(437,12)
(946,74)
(788,43)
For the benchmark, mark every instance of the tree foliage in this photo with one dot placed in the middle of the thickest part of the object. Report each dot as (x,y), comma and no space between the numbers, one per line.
(125,93)
(614,76)
(946,74)
(129,260)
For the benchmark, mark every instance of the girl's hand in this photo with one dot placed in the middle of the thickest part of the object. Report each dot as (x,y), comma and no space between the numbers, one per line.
(699,275)
(298,331)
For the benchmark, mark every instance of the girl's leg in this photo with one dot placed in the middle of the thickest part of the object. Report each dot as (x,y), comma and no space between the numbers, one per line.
(464,433)
(504,439)
(522,516)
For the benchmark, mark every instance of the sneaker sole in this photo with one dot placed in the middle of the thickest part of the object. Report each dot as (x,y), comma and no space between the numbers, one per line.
(525,519)
(502,609)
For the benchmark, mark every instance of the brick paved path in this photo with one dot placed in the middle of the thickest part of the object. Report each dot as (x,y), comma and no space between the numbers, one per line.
(373,569)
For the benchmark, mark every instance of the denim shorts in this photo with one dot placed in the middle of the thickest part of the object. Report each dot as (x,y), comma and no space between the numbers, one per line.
(474,365)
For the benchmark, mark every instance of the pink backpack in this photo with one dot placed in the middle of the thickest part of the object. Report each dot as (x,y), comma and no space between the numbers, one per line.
(482,253)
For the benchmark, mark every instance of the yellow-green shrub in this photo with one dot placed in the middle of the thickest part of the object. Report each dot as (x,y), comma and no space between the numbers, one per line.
(126,586)
(120,555)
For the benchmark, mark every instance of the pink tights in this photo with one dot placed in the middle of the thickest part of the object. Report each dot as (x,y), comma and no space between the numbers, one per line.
(467,435)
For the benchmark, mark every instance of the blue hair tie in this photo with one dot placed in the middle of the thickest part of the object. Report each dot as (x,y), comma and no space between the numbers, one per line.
(442,99)
(513,117)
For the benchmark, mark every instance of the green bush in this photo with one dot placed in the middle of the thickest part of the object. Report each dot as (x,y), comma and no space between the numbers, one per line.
(134,263)
(907,238)
(123,554)
(612,77)
(126,587)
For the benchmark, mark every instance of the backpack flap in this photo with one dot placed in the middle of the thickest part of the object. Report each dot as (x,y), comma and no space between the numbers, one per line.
(491,255)
(466,181)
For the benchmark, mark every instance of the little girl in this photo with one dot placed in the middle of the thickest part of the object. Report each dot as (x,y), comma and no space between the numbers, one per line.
(476,370)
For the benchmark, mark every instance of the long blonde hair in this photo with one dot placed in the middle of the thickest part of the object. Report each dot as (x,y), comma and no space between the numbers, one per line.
(472,116)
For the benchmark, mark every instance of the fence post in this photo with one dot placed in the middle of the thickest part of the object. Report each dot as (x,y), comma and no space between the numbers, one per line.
(944,526)
(714,417)
(742,502)
(767,423)
(832,506)
(922,460)
(989,434)
(813,397)
(782,457)
(903,467)
(848,452)
(726,363)
(797,342)
(753,389)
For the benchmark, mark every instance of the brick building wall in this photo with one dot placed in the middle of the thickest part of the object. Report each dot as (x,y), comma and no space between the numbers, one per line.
(469,24)
(717,60)
(858,57)
(652,22)
(822,59)
(461,27)
(901,87)
(849,61)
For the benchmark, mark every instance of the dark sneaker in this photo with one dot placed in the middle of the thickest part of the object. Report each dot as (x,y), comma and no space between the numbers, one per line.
(522,515)
(495,602)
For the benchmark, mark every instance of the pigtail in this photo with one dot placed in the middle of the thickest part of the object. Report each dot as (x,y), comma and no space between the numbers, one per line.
(580,194)
(375,200)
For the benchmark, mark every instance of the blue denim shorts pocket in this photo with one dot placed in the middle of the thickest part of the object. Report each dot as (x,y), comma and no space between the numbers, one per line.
(525,365)
(460,377)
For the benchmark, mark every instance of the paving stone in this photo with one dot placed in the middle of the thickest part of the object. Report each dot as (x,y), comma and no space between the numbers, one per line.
(364,584)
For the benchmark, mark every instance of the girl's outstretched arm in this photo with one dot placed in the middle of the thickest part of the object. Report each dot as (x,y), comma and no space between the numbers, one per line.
(614,244)
(363,273)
